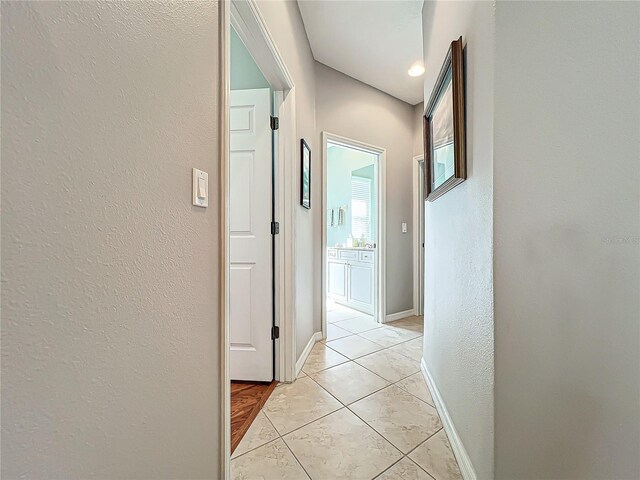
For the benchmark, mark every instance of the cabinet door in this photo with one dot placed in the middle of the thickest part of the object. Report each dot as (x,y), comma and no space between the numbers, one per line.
(337,279)
(361,286)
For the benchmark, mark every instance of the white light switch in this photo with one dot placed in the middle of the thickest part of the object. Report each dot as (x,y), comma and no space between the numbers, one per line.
(404,227)
(200,188)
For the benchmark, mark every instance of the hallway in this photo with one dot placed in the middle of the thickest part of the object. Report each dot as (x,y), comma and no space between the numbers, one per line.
(360,409)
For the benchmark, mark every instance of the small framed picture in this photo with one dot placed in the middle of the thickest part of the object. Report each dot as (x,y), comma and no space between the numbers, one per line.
(444,127)
(305,174)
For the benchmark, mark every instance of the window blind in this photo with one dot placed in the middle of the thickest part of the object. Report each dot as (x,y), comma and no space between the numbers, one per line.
(361,207)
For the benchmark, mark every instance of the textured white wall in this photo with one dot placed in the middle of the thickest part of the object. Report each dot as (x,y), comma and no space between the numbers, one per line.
(109,276)
(350,108)
(567,235)
(458,239)
(285,25)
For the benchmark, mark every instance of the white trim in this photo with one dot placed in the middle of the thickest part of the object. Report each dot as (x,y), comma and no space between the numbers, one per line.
(418,237)
(399,316)
(223,293)
(252,29)
(315,338)
(286,191)
(381,175)
(464,462)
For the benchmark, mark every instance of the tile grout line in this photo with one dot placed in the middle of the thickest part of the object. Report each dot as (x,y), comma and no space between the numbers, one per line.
(294,456)
(377,351)
(262,445)
(361,419)
(347,407)
(425,440)
(422,443)
(362,356)
(423,401)
(403,457)
(343,405)
(382,435)
(368,395)
(374,429)
(363,366)
(389,467)
(326,344)
(418,466)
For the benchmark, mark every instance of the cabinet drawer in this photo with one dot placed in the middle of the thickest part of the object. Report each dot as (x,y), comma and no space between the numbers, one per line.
(366,257)
(348,255)
(331,253)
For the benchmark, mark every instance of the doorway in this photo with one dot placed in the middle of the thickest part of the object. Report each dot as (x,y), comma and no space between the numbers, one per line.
(250,214)
(241,20)
(251,244)
(353,243)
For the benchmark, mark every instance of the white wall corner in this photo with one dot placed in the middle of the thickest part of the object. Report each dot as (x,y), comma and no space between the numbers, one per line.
(315,338)
(464,462)
(392,317)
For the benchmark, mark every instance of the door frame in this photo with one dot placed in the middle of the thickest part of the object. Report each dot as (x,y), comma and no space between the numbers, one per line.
(418,234)
(381,210)
(246,19)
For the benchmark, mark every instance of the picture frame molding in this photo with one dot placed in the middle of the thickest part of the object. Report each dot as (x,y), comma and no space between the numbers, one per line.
(454,61)
(303,145)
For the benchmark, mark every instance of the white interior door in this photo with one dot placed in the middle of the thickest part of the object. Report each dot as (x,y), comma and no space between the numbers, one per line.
(250,278)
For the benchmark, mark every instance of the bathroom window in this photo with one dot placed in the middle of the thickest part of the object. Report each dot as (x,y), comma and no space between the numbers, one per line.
(361,207)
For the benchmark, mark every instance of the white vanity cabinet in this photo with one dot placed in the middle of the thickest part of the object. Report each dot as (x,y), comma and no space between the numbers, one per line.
(350,277)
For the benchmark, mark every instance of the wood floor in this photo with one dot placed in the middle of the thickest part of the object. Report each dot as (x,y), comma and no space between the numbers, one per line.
(247,398)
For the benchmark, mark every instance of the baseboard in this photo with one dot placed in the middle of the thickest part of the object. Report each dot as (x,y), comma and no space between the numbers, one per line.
(399,316)
(316,337)
(464,462)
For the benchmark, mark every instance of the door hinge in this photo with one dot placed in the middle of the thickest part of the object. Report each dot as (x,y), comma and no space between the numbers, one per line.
(275,332)
(275,123)
(275,228)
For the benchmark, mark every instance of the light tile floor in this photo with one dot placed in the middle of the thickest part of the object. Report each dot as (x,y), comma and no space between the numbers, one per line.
(359,410)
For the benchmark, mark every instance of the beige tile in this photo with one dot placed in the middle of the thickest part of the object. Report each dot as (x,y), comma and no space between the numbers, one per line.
(301,374)
(359,324)
(334,332)
(354,346)
(332,306)
(322,357)
(341,446)
(415,324)
(435,456)
(349,382)
(292,405)
(405,469)
(260,432)
(416,385)
(271,461)
(337,315)
(388,336)
(399,417)
(389,365)
(412,348)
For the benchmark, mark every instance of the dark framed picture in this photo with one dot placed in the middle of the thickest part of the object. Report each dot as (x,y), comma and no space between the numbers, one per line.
(305,174)
(444,127)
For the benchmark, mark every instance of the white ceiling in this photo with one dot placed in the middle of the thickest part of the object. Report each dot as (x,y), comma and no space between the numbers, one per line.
(373,41)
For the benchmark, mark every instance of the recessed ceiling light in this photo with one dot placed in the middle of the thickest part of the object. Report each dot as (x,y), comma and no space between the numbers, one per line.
(416,69)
